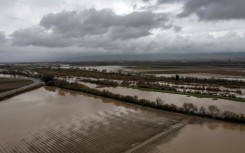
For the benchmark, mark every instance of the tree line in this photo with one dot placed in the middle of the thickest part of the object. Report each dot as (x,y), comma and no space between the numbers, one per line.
(187,108)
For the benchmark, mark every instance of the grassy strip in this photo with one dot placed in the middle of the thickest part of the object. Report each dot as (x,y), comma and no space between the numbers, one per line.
(191,94)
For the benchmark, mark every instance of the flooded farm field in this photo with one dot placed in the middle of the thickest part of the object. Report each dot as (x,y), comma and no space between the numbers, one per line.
(55,120)
(179,100)
(204,76)
(108,68)
(201,137)
(50,119)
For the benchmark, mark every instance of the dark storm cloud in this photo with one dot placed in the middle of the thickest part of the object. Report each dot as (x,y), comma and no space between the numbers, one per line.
(211,9)
(74,28)
(93,22)
(37,36)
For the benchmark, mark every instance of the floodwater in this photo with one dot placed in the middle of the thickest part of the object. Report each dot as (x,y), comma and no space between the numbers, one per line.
(9,76)
(179,100)
(108,68)
(50,119)
(55,120)
(205,76)
(203,137)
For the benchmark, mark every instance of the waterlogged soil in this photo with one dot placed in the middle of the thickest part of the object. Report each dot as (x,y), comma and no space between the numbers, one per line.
(179,100)
(55,120)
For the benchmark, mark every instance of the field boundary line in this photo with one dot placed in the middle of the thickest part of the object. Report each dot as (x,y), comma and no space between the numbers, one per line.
(148,141)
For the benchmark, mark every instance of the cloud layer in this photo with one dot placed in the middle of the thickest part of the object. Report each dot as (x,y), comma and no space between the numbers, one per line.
(78,28)
(92,22)
(40,29)
(211,9)
(2,38)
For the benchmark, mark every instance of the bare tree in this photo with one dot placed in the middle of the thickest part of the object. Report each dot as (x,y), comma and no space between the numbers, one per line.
(189,108)
(159,101)
(203,110)
(213,110)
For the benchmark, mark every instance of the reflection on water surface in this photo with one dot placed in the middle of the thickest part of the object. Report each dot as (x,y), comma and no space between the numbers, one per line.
(50,119)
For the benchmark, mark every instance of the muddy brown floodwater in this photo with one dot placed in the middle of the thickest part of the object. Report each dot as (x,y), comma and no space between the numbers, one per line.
(50,119)
(55,120)
(202,137)
(179,100)
(205,76)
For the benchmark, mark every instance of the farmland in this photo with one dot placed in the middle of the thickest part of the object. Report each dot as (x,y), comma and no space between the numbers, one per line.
(118,109)
(50,119)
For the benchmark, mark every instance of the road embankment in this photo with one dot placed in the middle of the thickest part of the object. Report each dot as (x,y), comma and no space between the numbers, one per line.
(14,92)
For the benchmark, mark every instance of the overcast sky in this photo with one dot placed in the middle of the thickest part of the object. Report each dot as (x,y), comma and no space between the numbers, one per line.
(39,30)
